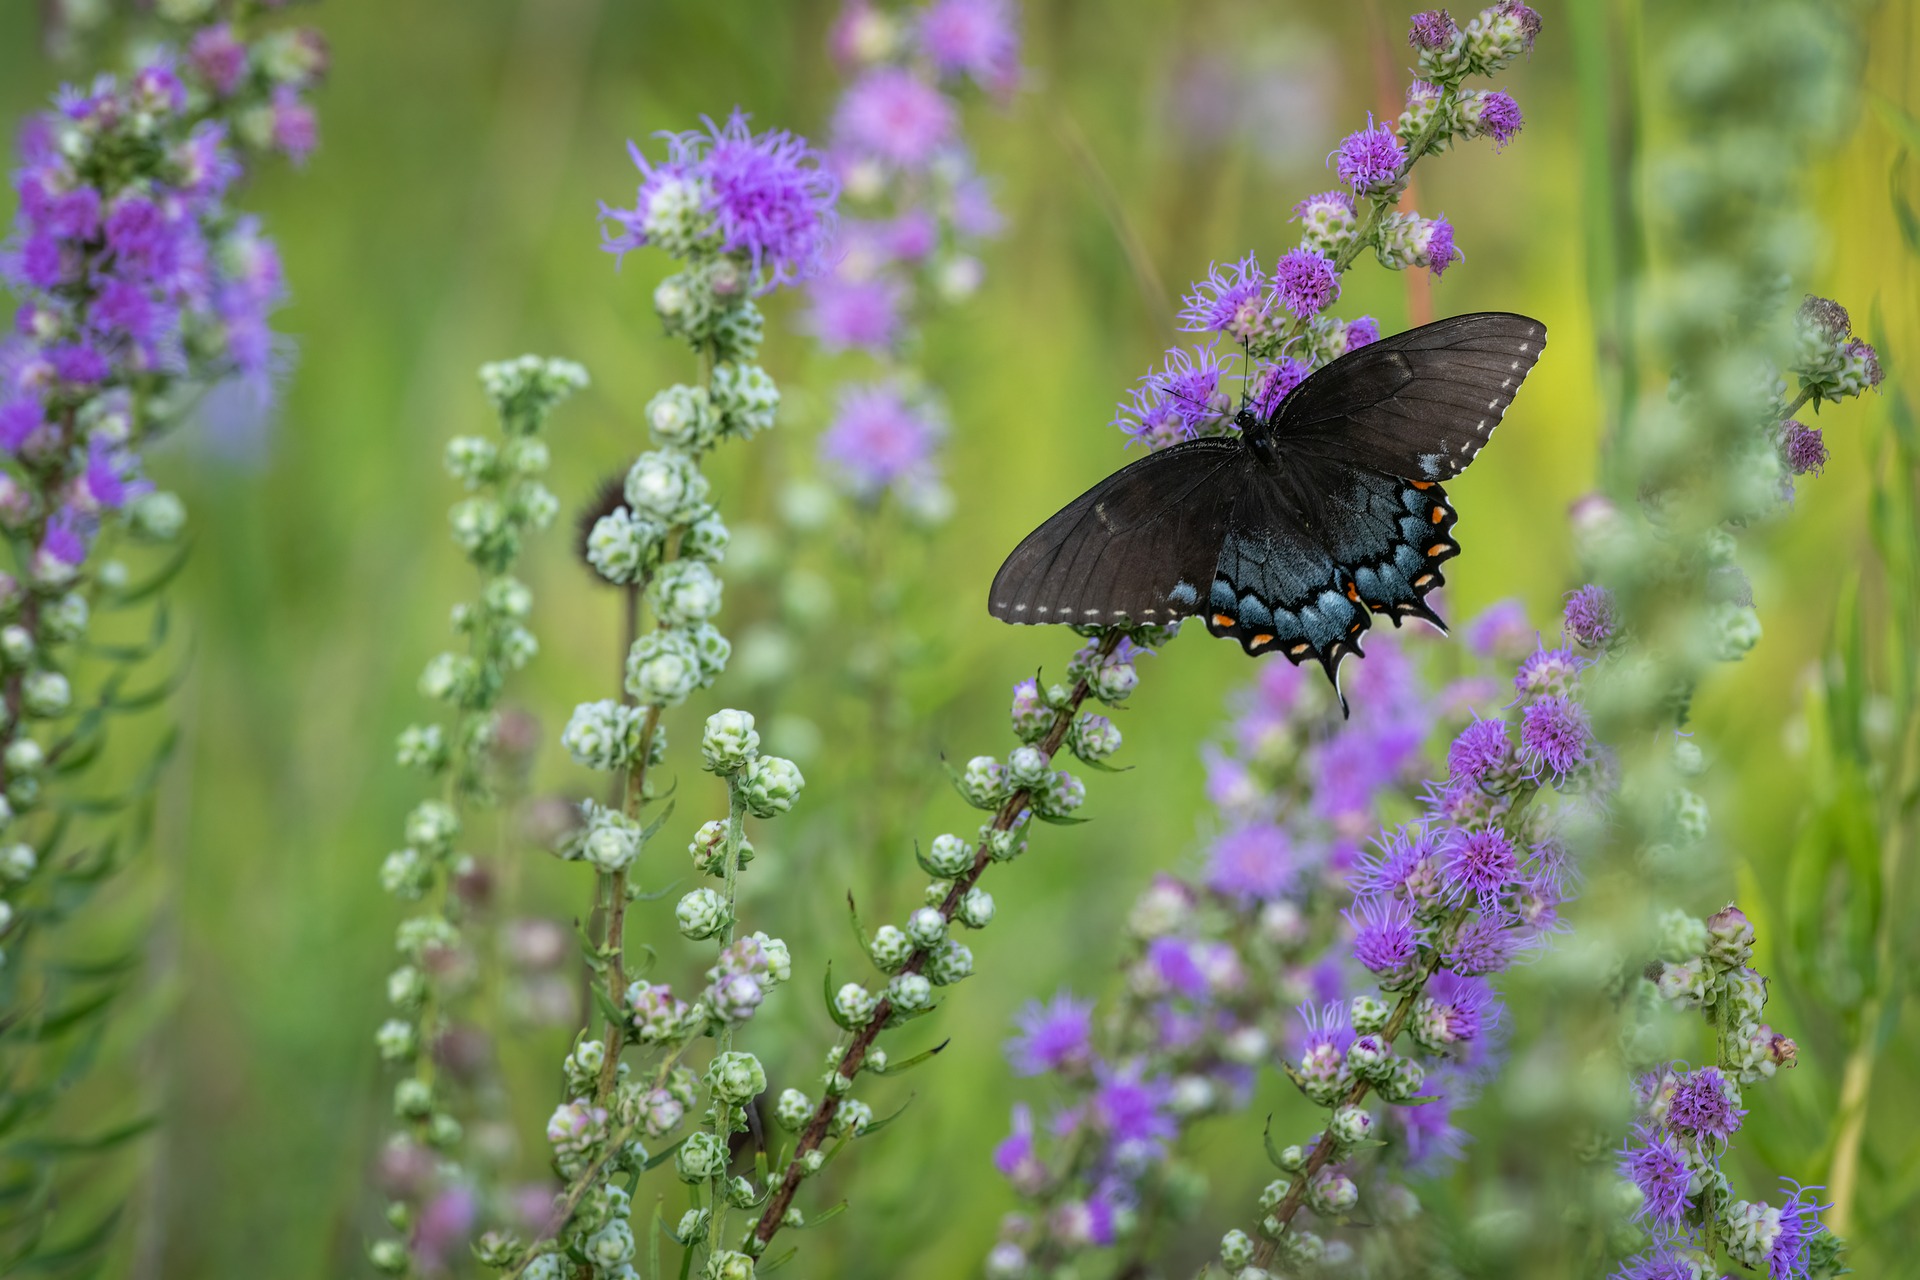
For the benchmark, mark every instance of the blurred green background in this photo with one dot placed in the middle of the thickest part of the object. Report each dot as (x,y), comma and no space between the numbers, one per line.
(449,218)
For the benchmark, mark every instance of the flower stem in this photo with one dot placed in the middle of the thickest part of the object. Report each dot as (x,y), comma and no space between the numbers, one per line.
(850,1062)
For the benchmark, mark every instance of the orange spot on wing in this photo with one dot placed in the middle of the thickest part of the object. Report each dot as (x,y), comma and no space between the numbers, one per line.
(1262,638)
(1439,514)
(1437,548)
(1421,484)
(1299,649)
(1222,620)
(1353,593)
(1423,580)
(1354,630)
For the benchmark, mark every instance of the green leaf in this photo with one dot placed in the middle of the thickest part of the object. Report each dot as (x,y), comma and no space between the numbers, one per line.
(895,1068)
(853,915)
(58,1148)
(56,1024)
(778,1262)
(152,585)
(823,1218)
(867,1131)
(122,704)
(659,1158)
(652,829)
(1060,820)
(1266,1140)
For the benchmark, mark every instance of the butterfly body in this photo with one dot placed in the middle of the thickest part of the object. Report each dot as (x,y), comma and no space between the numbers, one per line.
(1293,536)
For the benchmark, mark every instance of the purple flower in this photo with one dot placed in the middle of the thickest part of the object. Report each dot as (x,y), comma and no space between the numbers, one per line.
(1658,1166)
(1802,449)
(1433,30)
(771,198)
(1014,1157)
(1134,1111)
(1500,630)
(1233,300)
(1499,117)
(912,236)
(1480,863)
(217,54)
(1274,382)
(1483,945)
(1481,750)
(1589,616)
(1868,357)
(1370,159)
(1432,1140)
(79,363)
(878,439)
(974,38)
(207,165)
(1384,937)
(1799,1224)
(157,90)
(444,1226)
(1403,863)
(1439,248)
(19,419)
(1548,671)
(296,130)
(1462,1007)
(112,477)
(1175,401)
(1173,963)
(1362,332)
(65,540)
(974,212)
(1554,735)
(894,116)
(1658,1263)
(1305,282)
(1704,1104)
(854,314)
(139,236)
(1522,17)
(1336,203)
(1253,863)
(1053,1037)
(1326,1028)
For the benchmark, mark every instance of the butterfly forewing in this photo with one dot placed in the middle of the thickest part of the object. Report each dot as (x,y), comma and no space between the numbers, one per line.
(1418,404)
(1140,545)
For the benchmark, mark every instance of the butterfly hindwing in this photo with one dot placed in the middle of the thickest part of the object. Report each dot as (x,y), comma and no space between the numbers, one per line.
(1317,548)
(1418,404)
(1141,545)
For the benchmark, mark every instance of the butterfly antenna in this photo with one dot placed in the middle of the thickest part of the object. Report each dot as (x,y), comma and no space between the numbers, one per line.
(1198,404)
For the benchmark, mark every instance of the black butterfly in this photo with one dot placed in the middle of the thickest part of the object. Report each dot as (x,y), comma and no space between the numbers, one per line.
(1286,537)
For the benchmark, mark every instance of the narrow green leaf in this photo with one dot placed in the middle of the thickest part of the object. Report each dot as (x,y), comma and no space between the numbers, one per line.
(907,1064)
(154,583)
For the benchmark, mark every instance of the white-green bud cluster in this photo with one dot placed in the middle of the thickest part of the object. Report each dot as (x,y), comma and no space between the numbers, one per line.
(729,743)
(736,1077)
(770,786)
(605,735)
(684,593)
(702,913)
(525,390)
(667,486)
(683,417)
(621,546)
(746,397)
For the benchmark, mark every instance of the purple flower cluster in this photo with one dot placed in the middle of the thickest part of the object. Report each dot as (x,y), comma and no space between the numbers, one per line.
(896,146)
(131,270)
(880,439)
(766,197)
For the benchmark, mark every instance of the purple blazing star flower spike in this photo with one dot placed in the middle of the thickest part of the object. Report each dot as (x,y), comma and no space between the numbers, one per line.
(1053,1037)
(1548,671)
(1275,382)
(974,211)
(1589,616)
(1233,300)
(1466,1004)
(296,129)
(1528,21)
(1325,1026)
(1481,749)
(1802,448)
(1433,1141)
(877,438)
(894,116)
(1432,30)
(1305,282)
(1500,117)
(79,363)
(772,198)
(1403,864)
(1328,200)
(1554,736)
(1362,332)
(1384,937)
(855,315)
(1252,863)
(1481,863)
(1702,1105)
(1660,1262)
(1370,158)
(974,38)
(1657,1165)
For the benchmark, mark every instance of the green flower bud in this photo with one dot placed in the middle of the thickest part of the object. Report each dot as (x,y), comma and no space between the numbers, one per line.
(700,1157)
(890,948)
(156,517)
(793,1110)
(396,1040)
(746,397)
(663,668)
(950,962)
(701,914)
(927,928)
(976,909)
(666,486)
(45,694)
(771,786)
(736,1077)
(685,593)
(729,742)
(405,874)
